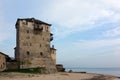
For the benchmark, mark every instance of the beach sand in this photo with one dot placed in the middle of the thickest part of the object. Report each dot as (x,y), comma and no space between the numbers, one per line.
(57,76)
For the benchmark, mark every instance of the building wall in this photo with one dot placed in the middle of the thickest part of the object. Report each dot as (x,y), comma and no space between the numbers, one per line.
(11,65)
(2,62)
(33,45)
(60,68)
(53,54)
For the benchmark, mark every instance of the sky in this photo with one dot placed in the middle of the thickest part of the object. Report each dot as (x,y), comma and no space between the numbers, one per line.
(86,32)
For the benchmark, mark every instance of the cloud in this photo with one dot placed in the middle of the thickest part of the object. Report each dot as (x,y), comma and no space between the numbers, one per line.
(7,39)
(3,33)
(4,29)
(91,53)
(73,13)
(97,44)
(116,52)
(89,48)
(112,32)
(79,15)
(69,16)
(112,3)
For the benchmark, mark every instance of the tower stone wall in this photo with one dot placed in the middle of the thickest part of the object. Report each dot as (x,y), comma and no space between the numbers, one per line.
(53,53)
(33,45)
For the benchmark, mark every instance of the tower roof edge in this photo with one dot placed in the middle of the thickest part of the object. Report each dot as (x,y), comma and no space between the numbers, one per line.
(34,20)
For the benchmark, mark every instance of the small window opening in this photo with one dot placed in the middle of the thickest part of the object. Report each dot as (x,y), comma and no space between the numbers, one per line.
(41,53)
(47,28)
(28,53)
(40,45)
(3,63)
(27,31)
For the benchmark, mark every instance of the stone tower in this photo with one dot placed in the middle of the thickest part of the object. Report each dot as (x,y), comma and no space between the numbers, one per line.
(33,45)
(53,53)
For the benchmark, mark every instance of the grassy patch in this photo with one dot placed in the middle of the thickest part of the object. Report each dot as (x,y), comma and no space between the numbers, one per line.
(35,70)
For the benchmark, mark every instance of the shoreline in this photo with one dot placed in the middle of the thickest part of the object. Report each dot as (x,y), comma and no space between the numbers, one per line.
(56,76)
(100,76)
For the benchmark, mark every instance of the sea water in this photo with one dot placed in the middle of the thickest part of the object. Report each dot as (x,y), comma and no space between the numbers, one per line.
(106,71)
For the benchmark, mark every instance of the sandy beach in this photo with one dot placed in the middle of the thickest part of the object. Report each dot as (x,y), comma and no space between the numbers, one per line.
(57,76)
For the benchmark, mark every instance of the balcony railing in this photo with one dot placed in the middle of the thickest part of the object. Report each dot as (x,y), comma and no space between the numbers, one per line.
(51,38)
(51,34)
(38,28)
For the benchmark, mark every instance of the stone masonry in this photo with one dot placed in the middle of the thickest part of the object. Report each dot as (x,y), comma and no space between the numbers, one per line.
(33,45)
(2,61)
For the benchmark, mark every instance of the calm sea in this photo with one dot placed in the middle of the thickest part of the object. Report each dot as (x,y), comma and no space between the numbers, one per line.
(108,71)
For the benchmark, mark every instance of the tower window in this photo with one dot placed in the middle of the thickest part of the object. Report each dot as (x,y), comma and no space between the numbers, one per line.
(41,53)
(47,29)
(28,53)
(3,63)
(40,45)
(27,31)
